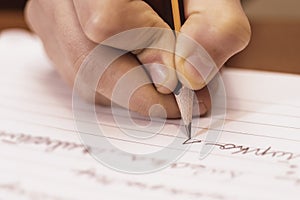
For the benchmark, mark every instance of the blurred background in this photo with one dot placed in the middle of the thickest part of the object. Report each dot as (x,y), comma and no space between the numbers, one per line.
(11,14)
(275,43)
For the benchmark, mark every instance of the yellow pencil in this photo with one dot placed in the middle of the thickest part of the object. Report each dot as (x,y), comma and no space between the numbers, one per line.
(176,15)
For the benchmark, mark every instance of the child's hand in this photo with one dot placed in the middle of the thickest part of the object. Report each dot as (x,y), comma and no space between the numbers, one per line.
(70,30)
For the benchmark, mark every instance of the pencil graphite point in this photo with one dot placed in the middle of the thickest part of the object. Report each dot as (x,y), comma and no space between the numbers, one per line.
(184,98)
(188,129)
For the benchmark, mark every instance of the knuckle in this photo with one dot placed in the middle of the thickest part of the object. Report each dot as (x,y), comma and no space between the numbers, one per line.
(99,27)
(235,29)
(28,11)
(227,35)
(141,105)
(145,105)
(204,100)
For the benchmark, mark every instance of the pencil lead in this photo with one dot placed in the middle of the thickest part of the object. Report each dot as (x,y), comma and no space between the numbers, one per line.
(188,129)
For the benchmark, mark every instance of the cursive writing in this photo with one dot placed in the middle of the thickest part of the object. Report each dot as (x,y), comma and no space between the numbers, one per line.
(242,149)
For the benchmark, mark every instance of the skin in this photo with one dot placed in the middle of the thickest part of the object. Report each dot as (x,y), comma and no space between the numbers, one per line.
(71,29)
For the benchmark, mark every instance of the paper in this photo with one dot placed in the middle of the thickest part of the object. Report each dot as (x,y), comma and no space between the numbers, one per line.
(42,157)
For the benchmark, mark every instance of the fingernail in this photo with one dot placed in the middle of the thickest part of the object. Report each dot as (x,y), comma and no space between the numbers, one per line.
(161,77)
(198,69)
(192,73)
(158,73)
(89,26)
(195,64)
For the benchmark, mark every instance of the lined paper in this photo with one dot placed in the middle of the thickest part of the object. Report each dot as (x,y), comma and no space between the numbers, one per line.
(42,157)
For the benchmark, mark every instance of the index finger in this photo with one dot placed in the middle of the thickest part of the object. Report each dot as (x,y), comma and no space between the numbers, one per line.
(103,19)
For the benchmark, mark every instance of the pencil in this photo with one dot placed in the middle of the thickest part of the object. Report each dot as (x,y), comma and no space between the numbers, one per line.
(172,12)
(183,95)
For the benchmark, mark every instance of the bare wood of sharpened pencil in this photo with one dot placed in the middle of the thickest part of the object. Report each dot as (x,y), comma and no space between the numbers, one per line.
(185,96)
(176,15)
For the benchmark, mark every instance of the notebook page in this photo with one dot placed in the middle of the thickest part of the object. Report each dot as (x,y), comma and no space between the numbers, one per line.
(256,157)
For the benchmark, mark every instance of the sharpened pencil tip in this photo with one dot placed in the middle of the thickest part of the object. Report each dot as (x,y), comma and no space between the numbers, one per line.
(188,129)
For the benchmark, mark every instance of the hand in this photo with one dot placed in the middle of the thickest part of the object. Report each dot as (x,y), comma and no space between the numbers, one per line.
(221,27)
(70,30)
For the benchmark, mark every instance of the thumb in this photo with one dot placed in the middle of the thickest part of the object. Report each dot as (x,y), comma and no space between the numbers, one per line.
(214,31)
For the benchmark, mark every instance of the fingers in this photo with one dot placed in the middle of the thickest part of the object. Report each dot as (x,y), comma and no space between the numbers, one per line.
(203,102)
(220,28)
(55,23)
(103,19)
(126,83)
(67,45)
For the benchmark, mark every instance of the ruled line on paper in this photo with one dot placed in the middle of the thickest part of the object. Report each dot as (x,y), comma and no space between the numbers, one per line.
(237,148)
(67,93)
(179,165)
(68,105)
(199,127)
(44,104)
(168,135)
(56,78)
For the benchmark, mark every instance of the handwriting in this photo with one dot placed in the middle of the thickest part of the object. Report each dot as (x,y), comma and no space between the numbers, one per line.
(16,189)
(199,169)
(242,149)
(292,179)
(291,175)
(104,180)
(49,144)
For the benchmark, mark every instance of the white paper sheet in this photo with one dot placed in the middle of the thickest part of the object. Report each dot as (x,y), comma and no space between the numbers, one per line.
(256,157)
